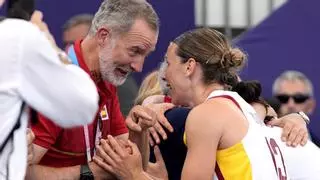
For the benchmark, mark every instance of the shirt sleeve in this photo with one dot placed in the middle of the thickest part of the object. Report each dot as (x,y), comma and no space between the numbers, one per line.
(118,126)
(63,93)
(45,131)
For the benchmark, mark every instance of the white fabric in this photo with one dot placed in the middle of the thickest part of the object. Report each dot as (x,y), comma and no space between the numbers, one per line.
(302,163)
(30,71)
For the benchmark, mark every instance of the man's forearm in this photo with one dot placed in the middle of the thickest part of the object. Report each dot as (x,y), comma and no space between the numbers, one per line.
(35,172)
(141,139)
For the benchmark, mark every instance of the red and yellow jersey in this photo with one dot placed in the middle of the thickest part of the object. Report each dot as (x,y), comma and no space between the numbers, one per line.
(256,156)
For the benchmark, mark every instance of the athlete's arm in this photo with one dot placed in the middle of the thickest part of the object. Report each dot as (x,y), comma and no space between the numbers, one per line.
(295,129)
(203,134)
(63,93)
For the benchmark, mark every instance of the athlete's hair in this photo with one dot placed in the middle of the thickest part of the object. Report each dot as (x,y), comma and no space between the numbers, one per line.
(218,59)
(150,86)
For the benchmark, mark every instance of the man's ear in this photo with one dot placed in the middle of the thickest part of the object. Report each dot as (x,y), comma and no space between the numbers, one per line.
(103,34)
(311,105)
(190,66)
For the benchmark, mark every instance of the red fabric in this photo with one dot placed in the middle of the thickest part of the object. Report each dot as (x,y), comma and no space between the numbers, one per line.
(66,147)
(167,99)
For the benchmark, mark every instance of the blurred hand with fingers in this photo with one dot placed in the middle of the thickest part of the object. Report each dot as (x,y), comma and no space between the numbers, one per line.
(161,123)
(37,19)
(158,169)
(140,118)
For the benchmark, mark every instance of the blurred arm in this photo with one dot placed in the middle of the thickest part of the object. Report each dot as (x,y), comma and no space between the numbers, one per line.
(63,93)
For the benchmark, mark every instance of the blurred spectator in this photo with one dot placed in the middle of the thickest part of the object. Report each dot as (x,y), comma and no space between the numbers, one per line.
(77,27)
(30,72)
(295,93)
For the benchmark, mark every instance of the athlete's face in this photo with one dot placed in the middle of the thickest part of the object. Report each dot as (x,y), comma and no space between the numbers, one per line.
(178,81)
(126,53)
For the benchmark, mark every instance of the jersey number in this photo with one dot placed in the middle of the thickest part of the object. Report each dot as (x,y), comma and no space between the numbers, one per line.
(277,158)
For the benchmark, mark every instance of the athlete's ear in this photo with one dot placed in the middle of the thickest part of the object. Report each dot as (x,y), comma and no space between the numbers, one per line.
(103,36)
(190,66)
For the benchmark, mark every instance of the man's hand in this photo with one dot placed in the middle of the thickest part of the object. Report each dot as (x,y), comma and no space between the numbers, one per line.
(161,122)
(114,158)
(158,169)
(30,138)
(295,129)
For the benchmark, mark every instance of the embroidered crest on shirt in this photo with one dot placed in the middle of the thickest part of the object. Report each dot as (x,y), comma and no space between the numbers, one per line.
(104,113)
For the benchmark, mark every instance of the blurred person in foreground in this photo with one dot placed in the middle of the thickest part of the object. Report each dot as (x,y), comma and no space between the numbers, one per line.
(32,74)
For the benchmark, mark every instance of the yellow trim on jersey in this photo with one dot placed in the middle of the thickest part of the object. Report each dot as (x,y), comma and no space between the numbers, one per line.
(185,138)
(234,163)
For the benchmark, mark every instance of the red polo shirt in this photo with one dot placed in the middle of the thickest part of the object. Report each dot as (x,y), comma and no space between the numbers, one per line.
(66,147)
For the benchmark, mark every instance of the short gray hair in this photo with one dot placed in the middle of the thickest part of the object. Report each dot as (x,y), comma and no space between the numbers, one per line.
(77,20)
(292,76)
(119,15)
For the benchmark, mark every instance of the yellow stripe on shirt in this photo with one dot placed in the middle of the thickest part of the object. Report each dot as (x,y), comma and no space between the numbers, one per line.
(234,163)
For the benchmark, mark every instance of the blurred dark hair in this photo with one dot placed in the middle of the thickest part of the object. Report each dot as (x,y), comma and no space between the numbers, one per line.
(274,103)
(21,9)
(250,91)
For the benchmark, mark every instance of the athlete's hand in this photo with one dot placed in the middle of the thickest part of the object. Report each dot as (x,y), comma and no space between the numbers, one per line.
(114,158)
(295,129)
(158,169)
(140,118)
(161,122)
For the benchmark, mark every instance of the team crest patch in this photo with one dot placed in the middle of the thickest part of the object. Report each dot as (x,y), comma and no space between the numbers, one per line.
(104,113)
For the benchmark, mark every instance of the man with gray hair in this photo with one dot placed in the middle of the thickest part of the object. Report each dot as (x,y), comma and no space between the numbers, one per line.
(122,34)
(77,27)
(294,92)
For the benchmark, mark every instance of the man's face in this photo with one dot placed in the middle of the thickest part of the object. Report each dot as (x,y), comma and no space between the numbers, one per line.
(75,33)
(123,54)
(294,96)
